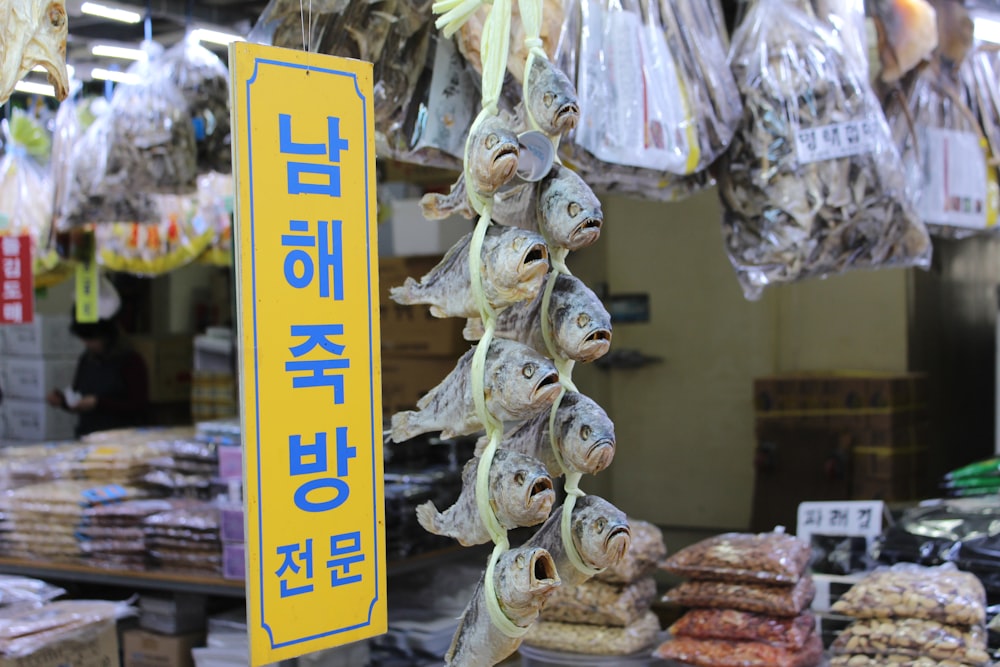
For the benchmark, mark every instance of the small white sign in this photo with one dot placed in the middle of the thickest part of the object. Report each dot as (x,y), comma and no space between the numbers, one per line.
(848,518)
(954,191)
(837,140)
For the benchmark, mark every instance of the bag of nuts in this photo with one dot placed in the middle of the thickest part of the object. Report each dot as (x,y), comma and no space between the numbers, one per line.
(781,601)
(595,639)
(941,594)
(720,653)
(894,660)
(768,558)
(790,633)
(642,557)
(600,603)
(916,638)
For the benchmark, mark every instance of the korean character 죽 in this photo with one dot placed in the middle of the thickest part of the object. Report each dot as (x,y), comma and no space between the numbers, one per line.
(311,459)
(304,557)
(320,375)
(328,169)
(345,550)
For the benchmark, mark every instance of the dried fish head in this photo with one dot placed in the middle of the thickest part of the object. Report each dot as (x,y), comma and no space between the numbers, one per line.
(522,381)
(551,98)
(32,33)
(581,324)
(525,577)
(520,488)
(493,155)
(569,211)
(601,532)
(515,262)
(585,433)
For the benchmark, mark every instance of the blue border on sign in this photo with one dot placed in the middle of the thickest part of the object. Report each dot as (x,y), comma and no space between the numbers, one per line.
(371,354)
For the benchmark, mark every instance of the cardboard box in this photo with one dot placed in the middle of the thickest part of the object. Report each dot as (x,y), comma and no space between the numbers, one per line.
(232,525)
(234,564)
(840,390)
(35,420)
(406,379)
(890,490)
(887,463)
(169,360)
(230,462)
(34,377)
(142,648)
(412,330)
(47,336)
(408,233)
(858,428)
(90,646)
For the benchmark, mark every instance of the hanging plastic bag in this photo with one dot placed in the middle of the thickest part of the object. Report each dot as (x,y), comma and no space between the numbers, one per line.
(203,81)
(981,78)
(944,152)
(26,190)
(812,184)
(215,205)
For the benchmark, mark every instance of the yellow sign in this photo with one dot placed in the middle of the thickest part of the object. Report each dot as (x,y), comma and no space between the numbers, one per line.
(87,291)
(306,261)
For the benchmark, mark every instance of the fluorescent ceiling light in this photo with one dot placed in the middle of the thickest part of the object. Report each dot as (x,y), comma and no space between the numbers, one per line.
(987,30)
(108,51)
(214,36)
(69,70)
(117,77)
(35,88)
(123,15)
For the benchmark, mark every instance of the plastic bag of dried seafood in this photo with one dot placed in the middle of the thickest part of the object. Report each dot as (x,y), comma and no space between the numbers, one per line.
(944,152)
(203,80)
(980,74)
(812,184)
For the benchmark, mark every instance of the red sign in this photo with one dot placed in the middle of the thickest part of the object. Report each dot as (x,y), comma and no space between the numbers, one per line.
(17,294)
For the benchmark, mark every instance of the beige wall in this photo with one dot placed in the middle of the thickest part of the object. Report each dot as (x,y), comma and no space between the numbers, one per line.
(685,426)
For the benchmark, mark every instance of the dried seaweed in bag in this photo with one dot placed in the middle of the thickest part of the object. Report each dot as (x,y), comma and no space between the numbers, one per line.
(812,184)
(944,152)
(203,81)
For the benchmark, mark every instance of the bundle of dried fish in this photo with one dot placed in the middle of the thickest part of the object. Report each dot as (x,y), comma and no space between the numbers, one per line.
(33,33)
(812,184)
(907,35)
(944,152)
(203,80)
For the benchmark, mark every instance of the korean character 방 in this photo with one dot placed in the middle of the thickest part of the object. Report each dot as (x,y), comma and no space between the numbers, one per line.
(290,554)
(327,168)
(318,372)
(312,459)
(345,550)
(300,265)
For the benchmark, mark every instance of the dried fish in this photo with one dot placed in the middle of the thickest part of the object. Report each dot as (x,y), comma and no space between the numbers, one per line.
(523,580)
(33,33)
(907,35)
(520,494)
(601,537)
(520,384)
(585,437)
(812,184)
(580,325)
(551,99)
(514,263)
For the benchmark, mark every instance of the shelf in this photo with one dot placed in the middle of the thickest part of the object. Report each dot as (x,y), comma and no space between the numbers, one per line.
(191,583)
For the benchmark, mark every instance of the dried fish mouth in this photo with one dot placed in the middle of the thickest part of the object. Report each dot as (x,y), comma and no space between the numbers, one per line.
(623,534)
(586,233)
(599,456)
(546,389)
(541,493)
(543,571)
(536,258)
(567,117)
(595,345)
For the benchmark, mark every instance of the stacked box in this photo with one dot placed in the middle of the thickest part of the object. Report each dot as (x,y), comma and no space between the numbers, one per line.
(852,435)
(36,359)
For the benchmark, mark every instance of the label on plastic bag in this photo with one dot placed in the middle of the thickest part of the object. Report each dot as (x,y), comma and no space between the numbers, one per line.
(955,180)
(837,140)
(451,103)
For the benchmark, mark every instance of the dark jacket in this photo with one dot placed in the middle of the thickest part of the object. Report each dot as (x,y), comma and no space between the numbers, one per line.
(119,380)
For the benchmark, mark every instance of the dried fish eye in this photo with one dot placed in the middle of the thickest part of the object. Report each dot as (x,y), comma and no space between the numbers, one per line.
(585,432)
(573,209)
(520,560)
(602,523)
(519,477)
(492,140)
(529,371)
(548,99)
(583,320)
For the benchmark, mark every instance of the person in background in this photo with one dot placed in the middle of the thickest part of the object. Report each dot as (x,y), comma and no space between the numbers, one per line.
(111,386)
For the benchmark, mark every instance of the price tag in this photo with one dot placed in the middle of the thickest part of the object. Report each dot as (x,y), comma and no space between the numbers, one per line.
(955,179)
(837,140)
(847,518)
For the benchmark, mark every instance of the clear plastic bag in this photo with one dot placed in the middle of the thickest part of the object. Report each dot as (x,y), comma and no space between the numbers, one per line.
(595,639)
(890,659)
(203,81)
(781,601)
(914,637)
(642,557)
(599,603)
(720,653)
(767,558)
(732,625)
(812,184)
(981,74)
(20,590)
(941,594)
(944,152)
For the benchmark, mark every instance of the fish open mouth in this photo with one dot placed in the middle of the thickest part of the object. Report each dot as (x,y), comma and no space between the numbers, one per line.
(541,485)
(547,388)
(599,456)
(595,345)
(536,253)
(507,149)
(543,569)
(619,531)
(587,232)
(567,116)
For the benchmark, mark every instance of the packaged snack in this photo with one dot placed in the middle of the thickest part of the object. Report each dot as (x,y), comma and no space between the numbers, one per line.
(812,184)
(732,625)
(890,659)
(599,603)
(911,591)
(719,653)
(642,557)
(781,601)
(767,558)
(913,637)
(595,639)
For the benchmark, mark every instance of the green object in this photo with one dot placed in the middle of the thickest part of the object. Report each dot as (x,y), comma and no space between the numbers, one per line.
(977,469)
(28,133)
(973,483)
(972,493)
